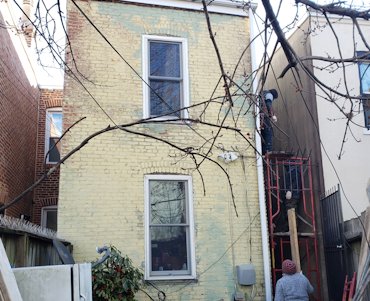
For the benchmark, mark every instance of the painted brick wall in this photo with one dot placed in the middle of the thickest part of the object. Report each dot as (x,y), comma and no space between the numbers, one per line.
(18,127)
(101,198)
(47,193)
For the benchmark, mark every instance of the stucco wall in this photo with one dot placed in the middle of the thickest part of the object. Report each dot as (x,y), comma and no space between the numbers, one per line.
(354,165)
(101,197)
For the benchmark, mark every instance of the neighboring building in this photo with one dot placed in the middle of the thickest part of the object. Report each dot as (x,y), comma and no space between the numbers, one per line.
(311,124)
(30,122)
(45,197)
(140,194)
(19,101)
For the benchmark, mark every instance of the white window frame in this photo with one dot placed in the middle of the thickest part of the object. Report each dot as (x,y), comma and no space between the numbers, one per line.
(191,240)
(44,211)
(185,74)
(366,130)
(47,130)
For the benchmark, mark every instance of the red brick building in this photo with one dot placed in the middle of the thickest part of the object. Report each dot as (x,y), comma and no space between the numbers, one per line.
(30,124)
(46,195)
(19,102)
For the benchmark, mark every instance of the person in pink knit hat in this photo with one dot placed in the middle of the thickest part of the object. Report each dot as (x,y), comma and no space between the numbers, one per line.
(292,286)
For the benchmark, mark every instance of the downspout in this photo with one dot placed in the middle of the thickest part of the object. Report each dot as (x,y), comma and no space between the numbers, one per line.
(260,179)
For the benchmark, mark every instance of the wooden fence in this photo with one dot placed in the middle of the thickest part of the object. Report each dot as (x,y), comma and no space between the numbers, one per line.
(25,249)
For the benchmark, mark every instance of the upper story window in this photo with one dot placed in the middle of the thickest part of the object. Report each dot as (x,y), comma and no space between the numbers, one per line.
(364,68)
(169,228)
(165,69)
(53,131)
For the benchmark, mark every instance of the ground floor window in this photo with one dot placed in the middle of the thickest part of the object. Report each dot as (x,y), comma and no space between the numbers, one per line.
(169,227)
(49,217)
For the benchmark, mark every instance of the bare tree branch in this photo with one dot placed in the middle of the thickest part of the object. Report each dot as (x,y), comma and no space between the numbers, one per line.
(280,35)
(337,8)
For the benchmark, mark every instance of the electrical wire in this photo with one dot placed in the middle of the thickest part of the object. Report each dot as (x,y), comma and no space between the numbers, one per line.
(136,72)
(80,82)
(33,120)
(220,257)
(324,149)
(31,98)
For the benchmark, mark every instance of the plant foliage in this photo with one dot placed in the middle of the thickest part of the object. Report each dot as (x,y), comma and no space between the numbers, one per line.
(116,279)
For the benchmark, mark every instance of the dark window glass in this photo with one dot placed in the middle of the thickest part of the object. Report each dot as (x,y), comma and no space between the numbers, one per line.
(366,106)
(166,98)
(169,249)
(169,229)
(365,90)
(365,78)
(165,59)
(51,219)
(165,78)
(54,154)
(54,132)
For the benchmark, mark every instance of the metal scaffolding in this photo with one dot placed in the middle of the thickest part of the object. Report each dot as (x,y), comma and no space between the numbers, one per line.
(288,184)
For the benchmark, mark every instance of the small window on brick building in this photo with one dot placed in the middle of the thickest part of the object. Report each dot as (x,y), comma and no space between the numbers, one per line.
(364,68)
(165,69)
(169,228)
(53,131)
(49,217)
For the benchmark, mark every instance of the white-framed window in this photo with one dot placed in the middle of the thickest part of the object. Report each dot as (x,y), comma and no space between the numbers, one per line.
(169,228)
(53,131)
(165,69)
(49,217)
(364,68)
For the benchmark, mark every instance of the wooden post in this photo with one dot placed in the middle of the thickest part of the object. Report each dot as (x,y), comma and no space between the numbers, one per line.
(294,246)
(8,284)
(21,251)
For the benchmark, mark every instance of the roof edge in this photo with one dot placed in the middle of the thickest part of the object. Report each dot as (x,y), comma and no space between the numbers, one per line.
(226,7)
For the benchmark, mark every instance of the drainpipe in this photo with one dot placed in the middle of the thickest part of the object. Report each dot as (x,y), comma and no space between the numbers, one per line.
(261,189)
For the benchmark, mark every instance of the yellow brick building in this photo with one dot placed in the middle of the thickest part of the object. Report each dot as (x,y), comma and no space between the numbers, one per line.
(159,191)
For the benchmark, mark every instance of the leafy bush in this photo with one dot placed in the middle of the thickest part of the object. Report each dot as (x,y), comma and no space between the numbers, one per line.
(116,279)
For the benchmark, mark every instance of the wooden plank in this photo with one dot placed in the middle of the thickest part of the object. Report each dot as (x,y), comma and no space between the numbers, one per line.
(8,284)
(21,251)
(294,246)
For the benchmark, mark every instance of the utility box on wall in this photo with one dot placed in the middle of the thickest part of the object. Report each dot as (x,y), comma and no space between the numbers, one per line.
(246,274)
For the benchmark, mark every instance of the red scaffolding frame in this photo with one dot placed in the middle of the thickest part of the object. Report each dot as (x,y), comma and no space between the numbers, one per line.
(284,172)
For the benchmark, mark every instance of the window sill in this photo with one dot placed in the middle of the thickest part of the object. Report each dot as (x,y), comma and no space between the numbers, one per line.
(168,120)
(366,132)
(172,281)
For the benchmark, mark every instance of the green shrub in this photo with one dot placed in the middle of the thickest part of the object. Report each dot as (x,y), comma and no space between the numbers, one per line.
(116,278)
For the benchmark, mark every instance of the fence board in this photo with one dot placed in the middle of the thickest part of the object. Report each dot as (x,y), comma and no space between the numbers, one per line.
(25,249)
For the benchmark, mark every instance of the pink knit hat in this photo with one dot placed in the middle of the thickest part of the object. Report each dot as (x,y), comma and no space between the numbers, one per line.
(289,267)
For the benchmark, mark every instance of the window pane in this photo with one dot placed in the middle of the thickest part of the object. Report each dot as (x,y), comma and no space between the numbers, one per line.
(169,91)
(51,219)
(55,124)
(366,106)
(169,249)
(54,154)
(168,202)
(165,59)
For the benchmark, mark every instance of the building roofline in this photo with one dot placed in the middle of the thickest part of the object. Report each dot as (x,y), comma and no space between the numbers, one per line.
(236,8)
